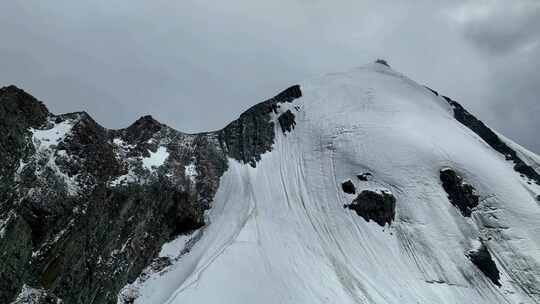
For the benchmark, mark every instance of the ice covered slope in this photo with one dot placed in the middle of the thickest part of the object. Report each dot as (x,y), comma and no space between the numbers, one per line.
(279,233)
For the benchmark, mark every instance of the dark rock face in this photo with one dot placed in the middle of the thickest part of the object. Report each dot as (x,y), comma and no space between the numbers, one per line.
(15,252)
(81,215)
(432,91)
(143,129)
(103,236)
(483,260)
(348,187)
(286,121)
(478,127)
(18,112)
(460,194)
(251,135)
(379,207)
(383,62)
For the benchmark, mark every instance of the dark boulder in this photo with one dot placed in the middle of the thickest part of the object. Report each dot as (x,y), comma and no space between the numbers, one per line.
(379,207)
(348,187)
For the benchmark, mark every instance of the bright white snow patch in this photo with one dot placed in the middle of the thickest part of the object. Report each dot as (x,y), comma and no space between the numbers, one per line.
(156,159)
(45,138)
(151,163)
(45,142)
(191,172)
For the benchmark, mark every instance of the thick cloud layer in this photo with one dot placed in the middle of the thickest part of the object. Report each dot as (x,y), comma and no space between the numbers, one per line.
(196,64)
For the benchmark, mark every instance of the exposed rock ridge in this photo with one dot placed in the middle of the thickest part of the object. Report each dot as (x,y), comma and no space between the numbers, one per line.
(478,127)
(86,206)
(252,134)
(482,259)
(460,194)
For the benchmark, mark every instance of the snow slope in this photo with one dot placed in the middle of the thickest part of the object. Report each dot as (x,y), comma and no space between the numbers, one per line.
(279,233)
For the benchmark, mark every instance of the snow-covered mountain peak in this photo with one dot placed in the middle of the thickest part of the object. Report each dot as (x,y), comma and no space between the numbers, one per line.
(371,88)
(378,190)
(355,187)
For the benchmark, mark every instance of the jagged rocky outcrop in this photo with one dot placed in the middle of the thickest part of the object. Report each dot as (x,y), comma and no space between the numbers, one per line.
(482,259)
(286,121)
(84,209)
(377,206)
(18,112)
(462,195)
(492,139)
(251,135)
(432,90)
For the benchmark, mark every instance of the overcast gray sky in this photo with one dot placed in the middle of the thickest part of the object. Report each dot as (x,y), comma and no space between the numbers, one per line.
(197,64)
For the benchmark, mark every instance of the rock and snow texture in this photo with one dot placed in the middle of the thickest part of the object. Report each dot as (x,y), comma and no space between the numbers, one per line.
(191,172)
(278,233)
(29,295)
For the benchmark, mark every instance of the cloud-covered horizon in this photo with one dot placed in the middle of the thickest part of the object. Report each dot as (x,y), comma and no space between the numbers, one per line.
(197,64)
